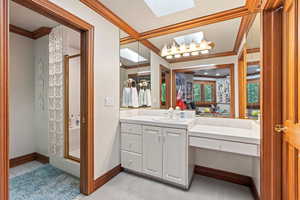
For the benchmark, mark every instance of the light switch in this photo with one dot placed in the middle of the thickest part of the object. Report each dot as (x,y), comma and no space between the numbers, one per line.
(108,101)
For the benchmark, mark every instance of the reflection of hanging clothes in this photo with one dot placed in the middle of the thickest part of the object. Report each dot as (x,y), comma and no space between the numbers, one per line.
(148,97)
(163,93)
(134,97)
(127,100)
(142,97)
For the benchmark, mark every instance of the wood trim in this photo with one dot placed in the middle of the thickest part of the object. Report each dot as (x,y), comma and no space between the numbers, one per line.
(253,63)
(200,57)
(41,158)
(99,182)
(74,56)
(21,160)
(253,50)
(32,35)
(245,26)
(52,11)
(4,117)
(242,83)
(197,22)
(229,177)
(28,158)
(271,101)
(98,7)
(20,31)
(253,5)
(41,32)
(136,66)
(271,4)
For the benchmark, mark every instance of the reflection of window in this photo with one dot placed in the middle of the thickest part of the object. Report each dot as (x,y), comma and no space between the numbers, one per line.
(204,92)
(253,93)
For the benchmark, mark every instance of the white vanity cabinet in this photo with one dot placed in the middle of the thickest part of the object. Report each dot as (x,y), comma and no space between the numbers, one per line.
(163,156)
(152,151)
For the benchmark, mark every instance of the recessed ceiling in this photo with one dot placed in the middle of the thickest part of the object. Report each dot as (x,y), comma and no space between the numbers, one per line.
(138,48)
(223,34)
(138,15)
(27,19)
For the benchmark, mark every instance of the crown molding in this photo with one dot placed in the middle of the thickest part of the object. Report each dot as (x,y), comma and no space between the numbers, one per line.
(32,35)
(193,23)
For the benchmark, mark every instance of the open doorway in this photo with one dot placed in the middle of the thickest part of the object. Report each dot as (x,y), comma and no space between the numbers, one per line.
(41,100)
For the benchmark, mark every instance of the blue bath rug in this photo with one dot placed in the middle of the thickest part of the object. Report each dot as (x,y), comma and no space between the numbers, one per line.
(44,183)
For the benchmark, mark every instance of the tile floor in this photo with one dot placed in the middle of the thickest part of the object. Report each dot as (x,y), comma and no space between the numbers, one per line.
(127,186)
(130,187)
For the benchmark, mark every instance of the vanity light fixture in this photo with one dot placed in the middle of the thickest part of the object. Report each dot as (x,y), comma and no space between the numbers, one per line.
(180,47)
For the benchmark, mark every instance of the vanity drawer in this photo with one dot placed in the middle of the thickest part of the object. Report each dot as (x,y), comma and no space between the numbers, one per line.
(224,145)
(132,161)
(205,143)
(241,148)
(131,143)
(131,128)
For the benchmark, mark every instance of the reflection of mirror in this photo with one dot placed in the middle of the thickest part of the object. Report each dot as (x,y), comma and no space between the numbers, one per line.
(253,70)
(72,97)
(208,90)
(165,81)
(135,81)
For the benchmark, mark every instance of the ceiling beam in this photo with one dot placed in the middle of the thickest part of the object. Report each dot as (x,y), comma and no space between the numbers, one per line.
(245,26)
(30,34)
(192,58)
(197,22)
(116,20)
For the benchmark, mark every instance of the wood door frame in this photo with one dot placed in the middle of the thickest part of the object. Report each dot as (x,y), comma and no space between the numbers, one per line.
(168,91)
(232,84)
(51,10)
(271,102)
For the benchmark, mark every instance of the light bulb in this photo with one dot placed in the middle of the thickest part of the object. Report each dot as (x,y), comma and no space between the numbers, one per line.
(217,74)
(186,54)
(204,52)
(193,46)
(203,44)
(195,53)
(164,51)
(177,56)
(174,49)
(182,48)
(169,57)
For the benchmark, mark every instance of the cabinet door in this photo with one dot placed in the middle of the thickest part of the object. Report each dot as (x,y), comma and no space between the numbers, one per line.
(175,155)
(152,151)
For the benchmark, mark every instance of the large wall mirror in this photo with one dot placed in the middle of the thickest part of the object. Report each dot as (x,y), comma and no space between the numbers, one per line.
(135,76)
(209,90)
(249,74)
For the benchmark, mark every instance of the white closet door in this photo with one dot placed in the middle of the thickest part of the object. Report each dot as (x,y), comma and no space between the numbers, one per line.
(174,157)
(152,151)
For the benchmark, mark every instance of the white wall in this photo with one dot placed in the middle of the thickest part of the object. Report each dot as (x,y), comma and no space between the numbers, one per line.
(156,61)
(21,96)
(106,84)
(41,64)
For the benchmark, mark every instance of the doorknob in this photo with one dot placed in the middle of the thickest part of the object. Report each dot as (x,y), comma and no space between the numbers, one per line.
(279,128)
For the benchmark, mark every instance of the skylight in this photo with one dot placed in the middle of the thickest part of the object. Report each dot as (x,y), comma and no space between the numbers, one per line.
(165,7)
(187,39)
(131,55)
